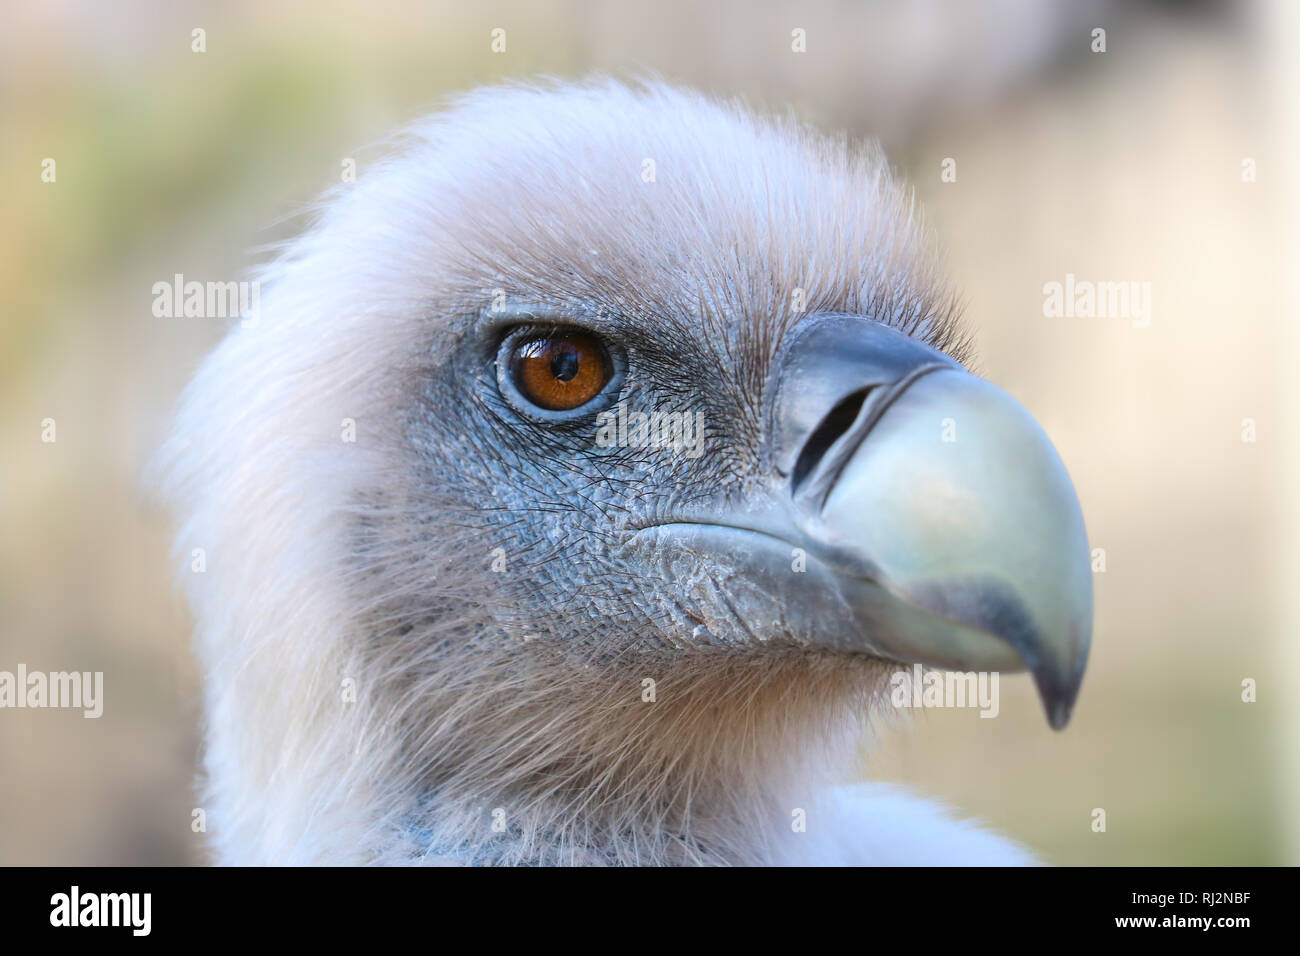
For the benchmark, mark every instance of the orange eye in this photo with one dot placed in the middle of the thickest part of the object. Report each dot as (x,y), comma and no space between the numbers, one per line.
(560,372)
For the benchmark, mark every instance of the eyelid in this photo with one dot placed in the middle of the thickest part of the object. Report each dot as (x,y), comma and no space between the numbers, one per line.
(541,316)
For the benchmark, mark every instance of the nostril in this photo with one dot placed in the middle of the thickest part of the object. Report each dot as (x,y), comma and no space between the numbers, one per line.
(835,424)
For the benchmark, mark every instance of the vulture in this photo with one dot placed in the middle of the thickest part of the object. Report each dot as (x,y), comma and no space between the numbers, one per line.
(595,460)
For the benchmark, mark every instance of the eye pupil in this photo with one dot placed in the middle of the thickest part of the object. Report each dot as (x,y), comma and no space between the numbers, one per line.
(560,372)
(565,366)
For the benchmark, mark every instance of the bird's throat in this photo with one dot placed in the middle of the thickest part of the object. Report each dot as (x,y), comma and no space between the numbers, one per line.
(671,762)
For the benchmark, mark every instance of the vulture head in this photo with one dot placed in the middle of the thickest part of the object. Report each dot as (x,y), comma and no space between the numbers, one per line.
(593,462)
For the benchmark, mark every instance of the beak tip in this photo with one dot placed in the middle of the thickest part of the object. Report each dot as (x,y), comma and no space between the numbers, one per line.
(1058,697)
(1058,715)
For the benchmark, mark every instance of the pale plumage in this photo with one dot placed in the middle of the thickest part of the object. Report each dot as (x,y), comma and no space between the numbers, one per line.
(430,644)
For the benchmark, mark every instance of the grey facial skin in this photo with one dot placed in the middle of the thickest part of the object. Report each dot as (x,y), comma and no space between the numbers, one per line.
(860,494)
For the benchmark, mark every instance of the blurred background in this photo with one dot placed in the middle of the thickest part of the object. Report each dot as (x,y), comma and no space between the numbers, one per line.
(1132,164)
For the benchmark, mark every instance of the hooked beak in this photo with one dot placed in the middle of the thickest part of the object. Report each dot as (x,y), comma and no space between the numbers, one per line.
(939,523)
